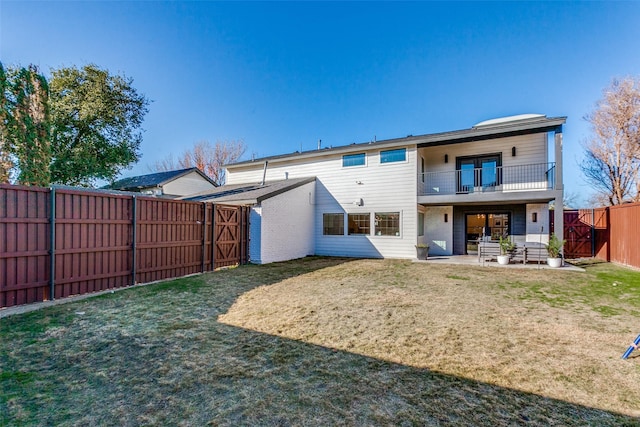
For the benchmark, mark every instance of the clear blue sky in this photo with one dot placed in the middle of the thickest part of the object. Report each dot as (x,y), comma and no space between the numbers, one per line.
(280,76)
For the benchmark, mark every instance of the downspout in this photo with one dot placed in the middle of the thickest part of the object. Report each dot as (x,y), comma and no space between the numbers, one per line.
(264,172)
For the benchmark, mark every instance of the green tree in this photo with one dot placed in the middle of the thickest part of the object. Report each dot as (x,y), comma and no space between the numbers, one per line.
(97,120)
(25,126)
(6,164)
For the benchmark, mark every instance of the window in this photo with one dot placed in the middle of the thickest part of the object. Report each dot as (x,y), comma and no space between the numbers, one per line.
(349,160)
(359,224)
(387,224)
(421,224)
(389,156)
(481,171)
(333,224)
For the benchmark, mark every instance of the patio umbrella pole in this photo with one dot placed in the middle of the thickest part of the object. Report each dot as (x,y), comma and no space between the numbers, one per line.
(540,241)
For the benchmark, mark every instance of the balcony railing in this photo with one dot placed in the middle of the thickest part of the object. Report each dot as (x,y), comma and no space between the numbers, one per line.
(539,176)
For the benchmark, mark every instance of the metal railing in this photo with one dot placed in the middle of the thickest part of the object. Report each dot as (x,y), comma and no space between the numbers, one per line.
(538,176)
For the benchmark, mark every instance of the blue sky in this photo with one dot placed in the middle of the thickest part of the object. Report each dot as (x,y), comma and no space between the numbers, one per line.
(280,76)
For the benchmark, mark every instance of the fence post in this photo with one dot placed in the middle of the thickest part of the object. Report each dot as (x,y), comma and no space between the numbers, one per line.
(213,236)
(135,238)
(593,233)
(204,235)
(52,244)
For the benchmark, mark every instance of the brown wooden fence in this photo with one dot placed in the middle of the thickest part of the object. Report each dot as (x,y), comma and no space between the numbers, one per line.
(608,233)
(105,241)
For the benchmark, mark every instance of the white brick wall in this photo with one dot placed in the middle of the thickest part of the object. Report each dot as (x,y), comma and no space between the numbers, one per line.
(439,234)
(535,233)
(286,226)
(255,235)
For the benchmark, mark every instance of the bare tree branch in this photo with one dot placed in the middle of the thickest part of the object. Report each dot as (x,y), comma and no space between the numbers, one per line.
(612,162)
(209,158)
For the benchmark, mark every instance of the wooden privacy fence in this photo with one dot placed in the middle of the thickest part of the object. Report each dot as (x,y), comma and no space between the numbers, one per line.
(105,241)
(607,233)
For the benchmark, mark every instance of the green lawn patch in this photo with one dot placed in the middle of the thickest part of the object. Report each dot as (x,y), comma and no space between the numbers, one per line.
(326,341)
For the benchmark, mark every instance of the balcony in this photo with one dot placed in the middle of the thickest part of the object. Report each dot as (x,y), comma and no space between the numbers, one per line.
(493,179)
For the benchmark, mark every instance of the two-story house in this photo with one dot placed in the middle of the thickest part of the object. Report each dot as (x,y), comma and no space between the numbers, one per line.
(380,198)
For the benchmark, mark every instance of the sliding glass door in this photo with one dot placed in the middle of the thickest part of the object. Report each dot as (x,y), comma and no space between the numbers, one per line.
(488,226)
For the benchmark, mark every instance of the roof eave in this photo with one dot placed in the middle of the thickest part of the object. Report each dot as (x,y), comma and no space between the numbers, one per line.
(452,137)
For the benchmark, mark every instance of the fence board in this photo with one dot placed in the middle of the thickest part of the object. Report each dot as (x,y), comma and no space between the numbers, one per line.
(624,229)
(24,245)
(613,233)
(94,240)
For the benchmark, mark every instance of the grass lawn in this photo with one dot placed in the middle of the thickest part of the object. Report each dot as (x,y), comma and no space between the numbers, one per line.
(325,341)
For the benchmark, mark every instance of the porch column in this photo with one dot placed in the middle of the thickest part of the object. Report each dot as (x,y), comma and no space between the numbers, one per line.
(559,188)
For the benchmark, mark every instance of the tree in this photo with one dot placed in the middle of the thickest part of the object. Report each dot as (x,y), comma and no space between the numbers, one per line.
(612,162)
(97,120)
(210,159)
(6,163)
(25,126)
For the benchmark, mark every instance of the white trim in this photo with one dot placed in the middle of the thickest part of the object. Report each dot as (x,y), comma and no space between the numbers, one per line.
(366,160)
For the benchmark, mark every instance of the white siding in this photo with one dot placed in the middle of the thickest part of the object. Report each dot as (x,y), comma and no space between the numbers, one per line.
(389,187)
(287,225)
(190,183)
(439,234)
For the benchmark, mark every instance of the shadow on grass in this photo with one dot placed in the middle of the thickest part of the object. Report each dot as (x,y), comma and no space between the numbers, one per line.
(158,356)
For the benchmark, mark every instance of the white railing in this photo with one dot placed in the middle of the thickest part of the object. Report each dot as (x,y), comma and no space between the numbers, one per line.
(539,176)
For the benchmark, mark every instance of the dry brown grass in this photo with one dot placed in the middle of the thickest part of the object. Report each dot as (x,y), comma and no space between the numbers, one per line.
(325,341)
(474,323)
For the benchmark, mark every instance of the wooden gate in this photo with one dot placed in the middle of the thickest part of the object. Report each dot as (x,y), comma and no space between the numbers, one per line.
(578,232)
(230,235)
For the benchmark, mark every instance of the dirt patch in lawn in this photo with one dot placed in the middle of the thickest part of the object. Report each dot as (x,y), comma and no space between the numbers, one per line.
(541,332)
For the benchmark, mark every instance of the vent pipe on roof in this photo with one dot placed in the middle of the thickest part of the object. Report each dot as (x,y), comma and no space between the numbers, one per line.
(319,144)
(264,172)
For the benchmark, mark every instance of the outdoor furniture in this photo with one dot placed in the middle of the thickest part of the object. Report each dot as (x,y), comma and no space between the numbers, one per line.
(530,252)
(488,251)
(524,252)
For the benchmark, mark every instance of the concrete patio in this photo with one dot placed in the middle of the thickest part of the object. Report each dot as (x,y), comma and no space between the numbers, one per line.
(473,260)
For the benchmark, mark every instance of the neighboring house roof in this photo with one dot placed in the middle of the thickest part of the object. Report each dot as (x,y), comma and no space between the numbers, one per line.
(153,180)
(249,194)
(496,128)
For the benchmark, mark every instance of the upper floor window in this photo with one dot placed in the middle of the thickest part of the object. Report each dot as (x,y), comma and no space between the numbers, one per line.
(353,160)
(397,155)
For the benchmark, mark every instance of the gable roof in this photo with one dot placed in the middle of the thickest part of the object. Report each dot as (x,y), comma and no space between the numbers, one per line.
(249,194)
(490,129)
(154,180)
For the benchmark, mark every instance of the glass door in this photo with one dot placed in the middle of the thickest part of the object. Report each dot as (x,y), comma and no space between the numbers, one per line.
(466,176)
(487,226)
(480,171)
(476,224)
(489,172)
